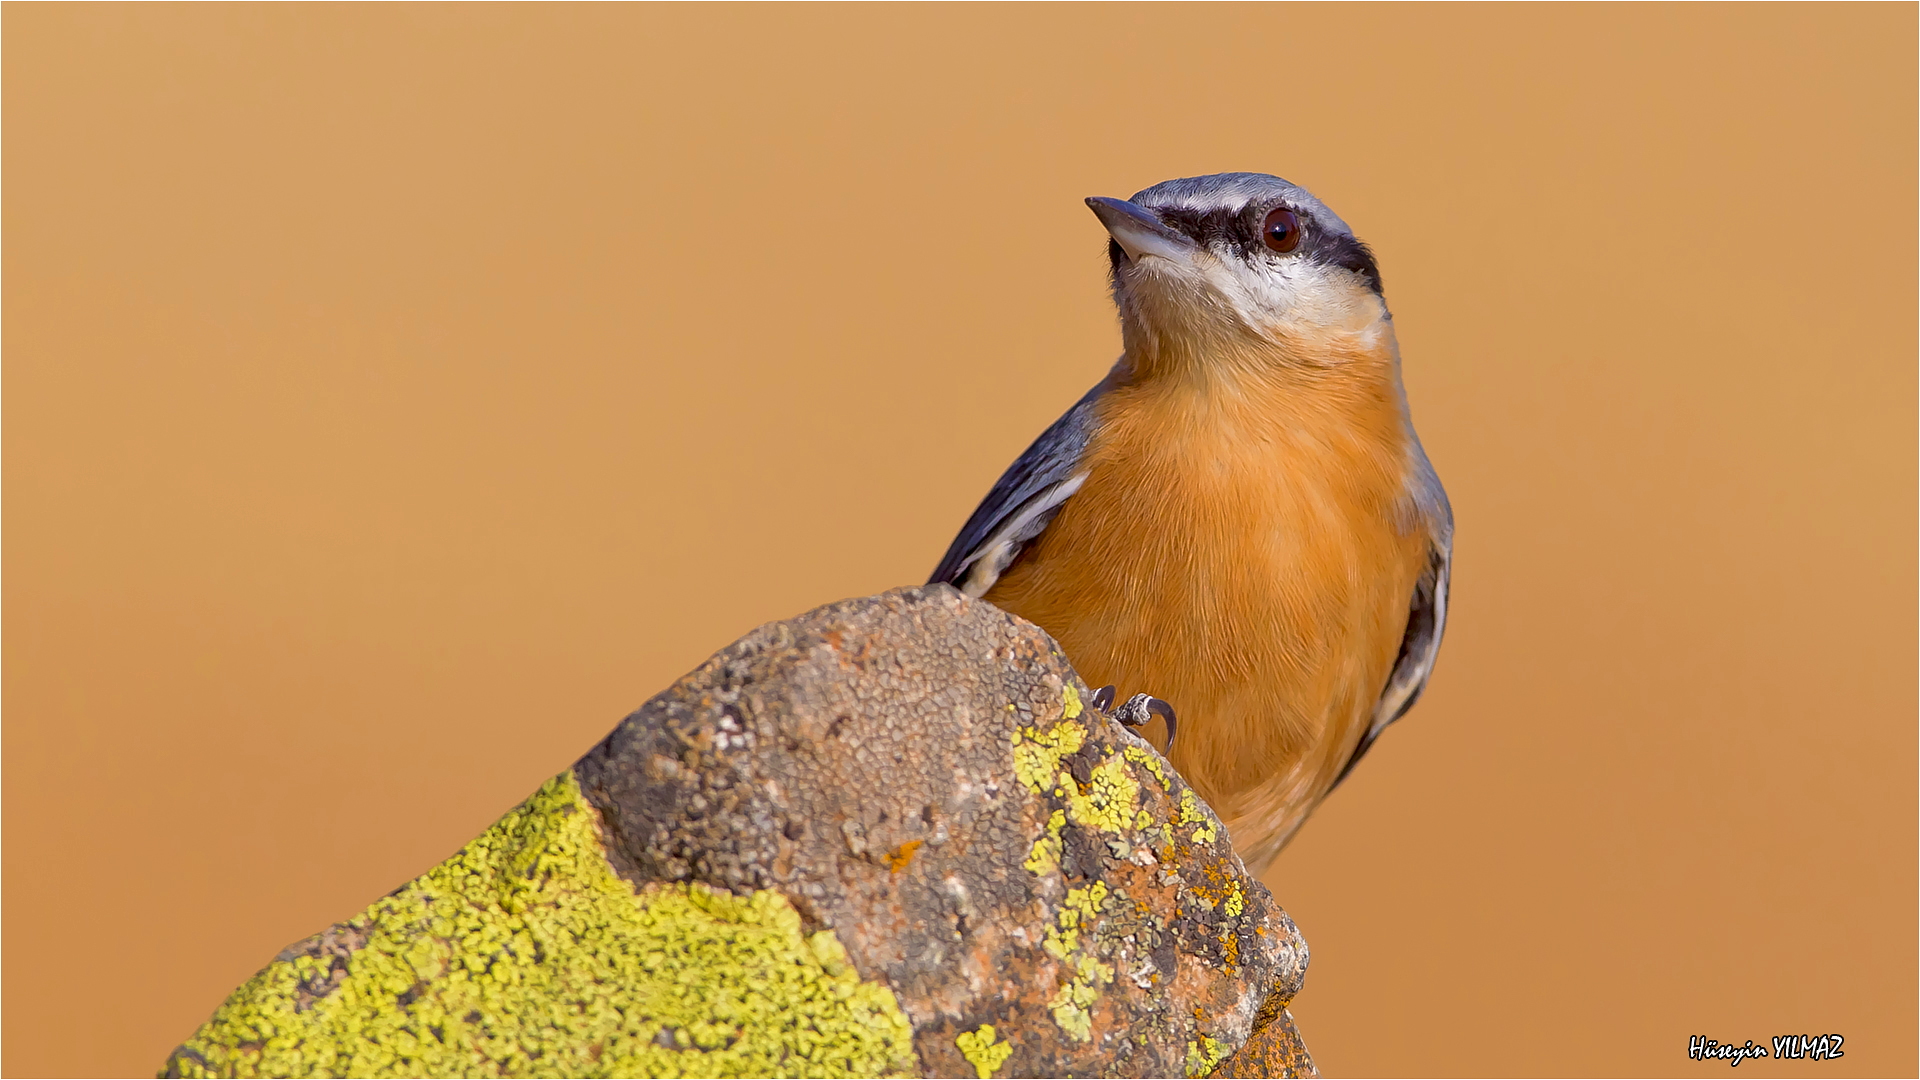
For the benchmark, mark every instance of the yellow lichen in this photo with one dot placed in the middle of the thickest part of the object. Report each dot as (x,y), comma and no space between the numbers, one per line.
(1204,1055)
(1191,814)
(1111,796)
(1236,901)
(1072,700)
(526,955)
(1073,1005)
(1036,755)
(981,1051)
(1080,908)
(1142,757)
(1045,856)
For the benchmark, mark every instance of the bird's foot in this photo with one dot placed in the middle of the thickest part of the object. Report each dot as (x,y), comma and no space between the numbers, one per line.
(1137,711)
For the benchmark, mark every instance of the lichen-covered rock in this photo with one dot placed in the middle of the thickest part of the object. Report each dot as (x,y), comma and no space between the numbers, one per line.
(1274,1048)
(885,838)
(524,955)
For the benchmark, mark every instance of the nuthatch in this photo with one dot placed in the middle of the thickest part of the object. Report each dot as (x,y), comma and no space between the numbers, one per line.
(1239,518)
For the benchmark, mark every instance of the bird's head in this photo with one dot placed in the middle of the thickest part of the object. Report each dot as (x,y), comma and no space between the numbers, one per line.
(1240,264)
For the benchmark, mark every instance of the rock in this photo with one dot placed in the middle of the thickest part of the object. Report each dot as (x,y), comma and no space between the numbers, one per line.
(1274,1048)
(885,838)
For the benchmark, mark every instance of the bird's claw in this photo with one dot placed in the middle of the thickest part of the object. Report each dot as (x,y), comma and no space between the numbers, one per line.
(1103,699)
(1139,711)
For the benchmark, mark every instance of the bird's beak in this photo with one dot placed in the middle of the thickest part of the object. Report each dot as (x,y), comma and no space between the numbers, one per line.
(1140,231)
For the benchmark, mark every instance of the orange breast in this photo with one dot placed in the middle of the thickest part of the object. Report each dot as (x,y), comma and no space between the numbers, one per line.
(1235,550)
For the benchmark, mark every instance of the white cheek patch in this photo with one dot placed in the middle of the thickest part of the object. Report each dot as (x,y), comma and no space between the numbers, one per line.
(1297,293)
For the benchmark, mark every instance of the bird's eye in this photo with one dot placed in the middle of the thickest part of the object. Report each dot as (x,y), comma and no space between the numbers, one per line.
(1282,230)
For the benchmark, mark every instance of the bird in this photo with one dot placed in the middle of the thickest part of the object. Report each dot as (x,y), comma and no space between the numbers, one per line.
(1238,524)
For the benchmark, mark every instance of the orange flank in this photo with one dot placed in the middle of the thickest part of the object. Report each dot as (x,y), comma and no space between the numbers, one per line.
(1245,548)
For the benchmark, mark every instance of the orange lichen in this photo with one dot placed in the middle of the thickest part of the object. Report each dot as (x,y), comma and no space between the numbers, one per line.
(898,859)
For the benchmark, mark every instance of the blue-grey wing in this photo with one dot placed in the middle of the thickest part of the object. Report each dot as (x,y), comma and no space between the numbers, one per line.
(1426,616)
(1023,501)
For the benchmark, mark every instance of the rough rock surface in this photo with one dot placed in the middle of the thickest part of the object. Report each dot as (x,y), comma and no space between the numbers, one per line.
(1274,1048)
(525,955)
(886,837)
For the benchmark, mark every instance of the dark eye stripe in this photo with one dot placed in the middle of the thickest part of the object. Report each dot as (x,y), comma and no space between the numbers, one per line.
(1348,253)
(1241,229)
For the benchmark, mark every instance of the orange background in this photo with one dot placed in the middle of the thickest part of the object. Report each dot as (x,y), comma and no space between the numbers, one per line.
(396,396)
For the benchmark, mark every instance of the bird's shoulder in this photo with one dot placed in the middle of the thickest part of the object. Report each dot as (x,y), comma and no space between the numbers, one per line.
(1022,502)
